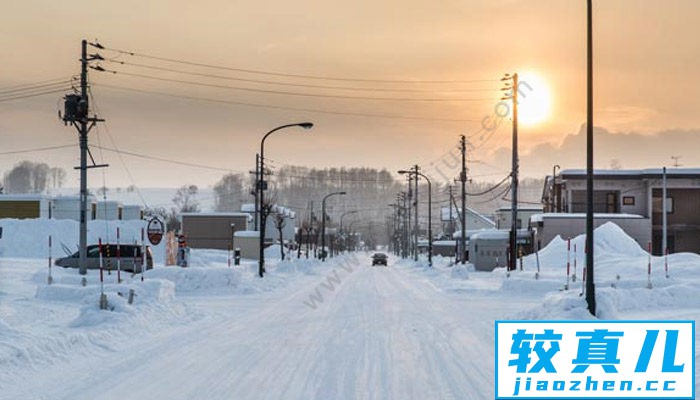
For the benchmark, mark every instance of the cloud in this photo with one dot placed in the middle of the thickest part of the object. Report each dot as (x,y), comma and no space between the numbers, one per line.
(628,149)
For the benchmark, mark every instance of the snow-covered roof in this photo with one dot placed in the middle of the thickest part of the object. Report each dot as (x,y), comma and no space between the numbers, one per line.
(246,234)
(649,173)
(23,197)
(216,214)
(497,234)
(248,207)
(541,217)
(445,214)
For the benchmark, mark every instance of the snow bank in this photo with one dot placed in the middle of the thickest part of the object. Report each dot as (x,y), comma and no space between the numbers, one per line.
(29,238)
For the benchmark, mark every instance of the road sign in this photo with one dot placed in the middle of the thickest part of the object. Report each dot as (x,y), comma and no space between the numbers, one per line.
(155,230)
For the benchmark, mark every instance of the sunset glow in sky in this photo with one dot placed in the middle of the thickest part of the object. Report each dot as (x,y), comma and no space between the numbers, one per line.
(386,83)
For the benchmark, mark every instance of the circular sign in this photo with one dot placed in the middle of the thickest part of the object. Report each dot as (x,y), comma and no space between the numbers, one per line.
(155,230)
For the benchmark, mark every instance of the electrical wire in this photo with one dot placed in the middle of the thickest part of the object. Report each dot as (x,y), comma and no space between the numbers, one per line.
(126,168)
(166,160)
(65,146)
(490,189)
(277,107)
(289,93)
(34,87)
(303,85)
(28,95)
(289,75)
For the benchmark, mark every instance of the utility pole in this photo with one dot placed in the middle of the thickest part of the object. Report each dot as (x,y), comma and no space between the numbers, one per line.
(512,86)
(415,228)
(409,198)
(664,217)
(77,108)
(463,180)
(590,283)
(256,189)
(452,223)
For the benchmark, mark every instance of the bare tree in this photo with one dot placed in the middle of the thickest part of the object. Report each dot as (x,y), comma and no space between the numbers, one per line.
(27,177)
(280,223)
(186,199)
(228,192)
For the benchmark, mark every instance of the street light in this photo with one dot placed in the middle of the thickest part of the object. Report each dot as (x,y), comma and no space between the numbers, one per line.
(259,186)
(323,223)
(343,215)
(554,186)
(341,225)
(430,213)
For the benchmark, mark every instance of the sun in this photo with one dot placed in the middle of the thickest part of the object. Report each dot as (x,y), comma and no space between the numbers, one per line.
(534,99)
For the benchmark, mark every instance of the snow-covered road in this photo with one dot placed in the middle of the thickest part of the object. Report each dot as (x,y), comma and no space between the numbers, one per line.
(377,333)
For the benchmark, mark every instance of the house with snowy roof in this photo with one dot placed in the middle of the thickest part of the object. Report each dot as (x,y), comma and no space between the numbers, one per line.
(635,192)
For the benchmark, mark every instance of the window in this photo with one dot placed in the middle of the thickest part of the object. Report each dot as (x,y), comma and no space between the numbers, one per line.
(628,200)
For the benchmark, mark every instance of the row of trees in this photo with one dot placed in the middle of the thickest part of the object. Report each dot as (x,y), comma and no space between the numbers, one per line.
(32,177)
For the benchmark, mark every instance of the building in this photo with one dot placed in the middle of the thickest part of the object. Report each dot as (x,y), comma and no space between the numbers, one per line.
(23,206)
(545,227)
(475,220)
(271,232)
(637,192)
(504,216)
(64,207)
(213,230)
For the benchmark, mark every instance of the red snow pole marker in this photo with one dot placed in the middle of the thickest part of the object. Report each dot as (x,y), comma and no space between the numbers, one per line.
(583,283)
(119,259)
(568,263)
(99,245)
(573,277)
(50,279)
(649,286)
(103,297)
(229,256)
(143,255)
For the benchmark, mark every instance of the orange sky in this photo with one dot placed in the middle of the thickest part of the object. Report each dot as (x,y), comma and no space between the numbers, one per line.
(646,54)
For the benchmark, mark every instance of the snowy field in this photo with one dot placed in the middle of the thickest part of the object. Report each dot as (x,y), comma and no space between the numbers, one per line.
(308,330)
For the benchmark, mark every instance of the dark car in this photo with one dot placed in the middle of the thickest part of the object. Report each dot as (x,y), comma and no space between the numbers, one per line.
(130,258)
(379,259)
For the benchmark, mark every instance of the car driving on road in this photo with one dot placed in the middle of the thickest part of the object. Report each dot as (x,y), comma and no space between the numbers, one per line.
(379,259)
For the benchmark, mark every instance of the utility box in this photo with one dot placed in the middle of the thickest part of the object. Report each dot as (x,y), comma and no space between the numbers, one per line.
(75,108)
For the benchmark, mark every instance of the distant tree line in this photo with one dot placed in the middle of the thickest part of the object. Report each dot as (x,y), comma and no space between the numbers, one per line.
(32,177)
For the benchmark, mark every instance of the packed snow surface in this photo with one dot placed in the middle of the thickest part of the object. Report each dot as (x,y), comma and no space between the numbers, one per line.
(339,329)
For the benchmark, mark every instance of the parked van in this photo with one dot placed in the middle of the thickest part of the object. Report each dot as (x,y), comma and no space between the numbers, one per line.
(131,256)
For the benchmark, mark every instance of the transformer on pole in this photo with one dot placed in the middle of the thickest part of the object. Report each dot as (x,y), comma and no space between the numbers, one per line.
(76,112)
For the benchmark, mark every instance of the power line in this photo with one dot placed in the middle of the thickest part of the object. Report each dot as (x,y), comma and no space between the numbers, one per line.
(47,81)
(34,87)
(267,82)
(28,95)
(288,93)
(65,146)
(289,75)
(277,107)
(166,160)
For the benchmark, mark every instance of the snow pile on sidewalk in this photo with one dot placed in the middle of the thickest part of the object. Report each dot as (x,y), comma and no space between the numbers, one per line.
(621,277)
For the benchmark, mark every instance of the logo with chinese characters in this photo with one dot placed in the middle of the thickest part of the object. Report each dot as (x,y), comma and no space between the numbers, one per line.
(595,359)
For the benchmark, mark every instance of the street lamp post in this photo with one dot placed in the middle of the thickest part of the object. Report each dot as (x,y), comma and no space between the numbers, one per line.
(430,213)
(323,223)
(260,187)
(554,187)
(341,225)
